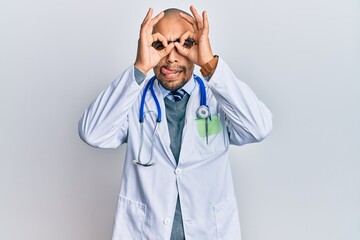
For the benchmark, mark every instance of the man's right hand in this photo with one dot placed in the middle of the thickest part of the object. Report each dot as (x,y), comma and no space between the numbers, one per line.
(147,56)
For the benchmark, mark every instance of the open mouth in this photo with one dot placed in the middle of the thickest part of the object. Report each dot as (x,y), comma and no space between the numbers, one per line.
(170,73)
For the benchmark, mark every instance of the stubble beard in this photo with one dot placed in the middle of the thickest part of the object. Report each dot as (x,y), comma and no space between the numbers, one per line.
(172,85)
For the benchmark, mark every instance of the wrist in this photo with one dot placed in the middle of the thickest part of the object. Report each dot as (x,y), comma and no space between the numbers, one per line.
(209,67)
(141,68)
(206,60)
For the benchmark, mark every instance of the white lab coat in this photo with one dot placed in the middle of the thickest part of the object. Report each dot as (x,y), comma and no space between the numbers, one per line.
(202,177)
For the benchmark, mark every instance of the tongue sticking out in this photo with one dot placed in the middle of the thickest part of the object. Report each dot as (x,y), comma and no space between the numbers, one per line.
(167,71)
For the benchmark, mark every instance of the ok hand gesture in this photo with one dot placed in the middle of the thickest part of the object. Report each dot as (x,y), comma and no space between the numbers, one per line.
(201,52)
(147,56)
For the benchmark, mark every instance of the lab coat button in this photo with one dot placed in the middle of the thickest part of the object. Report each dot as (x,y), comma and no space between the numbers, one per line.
(166,221)
(178,171)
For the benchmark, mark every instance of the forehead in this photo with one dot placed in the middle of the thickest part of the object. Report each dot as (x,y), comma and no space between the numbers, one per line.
(172,27)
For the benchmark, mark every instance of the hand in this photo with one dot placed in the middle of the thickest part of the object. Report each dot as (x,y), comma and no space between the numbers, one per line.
(201,52)
(147,56)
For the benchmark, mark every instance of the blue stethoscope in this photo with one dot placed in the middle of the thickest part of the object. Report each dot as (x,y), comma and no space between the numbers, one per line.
(202,112)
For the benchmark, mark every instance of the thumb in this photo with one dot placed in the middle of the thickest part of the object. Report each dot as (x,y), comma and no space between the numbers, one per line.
(164,52)
(181,49)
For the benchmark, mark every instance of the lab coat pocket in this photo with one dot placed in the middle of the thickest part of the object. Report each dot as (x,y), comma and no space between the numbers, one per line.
(210,135)
(129,221)
(227,220)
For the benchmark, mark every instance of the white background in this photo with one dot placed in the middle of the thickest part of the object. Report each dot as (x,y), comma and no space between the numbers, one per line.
(302,58)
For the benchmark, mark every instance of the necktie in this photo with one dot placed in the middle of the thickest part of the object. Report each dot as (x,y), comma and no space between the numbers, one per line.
(178,95)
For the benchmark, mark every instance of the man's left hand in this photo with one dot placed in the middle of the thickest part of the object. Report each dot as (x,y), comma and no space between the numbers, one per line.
(200,53)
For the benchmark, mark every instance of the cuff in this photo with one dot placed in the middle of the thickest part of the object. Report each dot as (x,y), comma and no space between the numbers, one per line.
(139,76)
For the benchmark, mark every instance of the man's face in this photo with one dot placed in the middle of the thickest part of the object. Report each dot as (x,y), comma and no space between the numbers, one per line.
(174,70)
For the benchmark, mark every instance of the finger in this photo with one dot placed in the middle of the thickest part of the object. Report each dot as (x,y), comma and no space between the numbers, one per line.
(156,19)
(148,16)
(206,22)
(161,38)
(189,19)
(185,36)
(197,17)
(167,50)
(182,50)
(147,26)
(145,23)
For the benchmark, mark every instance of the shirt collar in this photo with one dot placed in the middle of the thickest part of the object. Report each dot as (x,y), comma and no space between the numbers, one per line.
(188,87)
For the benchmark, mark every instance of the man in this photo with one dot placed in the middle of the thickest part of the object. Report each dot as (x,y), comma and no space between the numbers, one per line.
(177,181)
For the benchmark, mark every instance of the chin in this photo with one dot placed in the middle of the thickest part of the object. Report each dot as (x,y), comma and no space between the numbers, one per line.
(173,84)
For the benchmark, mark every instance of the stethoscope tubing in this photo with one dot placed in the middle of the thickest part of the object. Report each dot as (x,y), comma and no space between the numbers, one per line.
(202,90)
(150,86)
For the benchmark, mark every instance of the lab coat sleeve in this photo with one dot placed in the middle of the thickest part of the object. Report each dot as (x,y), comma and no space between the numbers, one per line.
(104,123)
(247,118)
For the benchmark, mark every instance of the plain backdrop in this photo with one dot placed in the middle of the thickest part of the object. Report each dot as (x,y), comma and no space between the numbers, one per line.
(302,58)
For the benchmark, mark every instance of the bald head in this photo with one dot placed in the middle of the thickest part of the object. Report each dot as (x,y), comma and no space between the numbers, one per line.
(171,15)
(174,12)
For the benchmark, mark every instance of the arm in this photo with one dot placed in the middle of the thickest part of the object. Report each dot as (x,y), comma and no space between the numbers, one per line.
(247,118)
(104,123)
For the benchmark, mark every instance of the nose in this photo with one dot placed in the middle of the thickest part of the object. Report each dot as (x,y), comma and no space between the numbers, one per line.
(173,56)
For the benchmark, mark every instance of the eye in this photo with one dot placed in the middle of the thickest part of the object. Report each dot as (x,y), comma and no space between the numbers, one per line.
(189,43)
(158,45)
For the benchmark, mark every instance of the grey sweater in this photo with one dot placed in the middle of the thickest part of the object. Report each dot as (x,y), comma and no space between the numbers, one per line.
(175,115)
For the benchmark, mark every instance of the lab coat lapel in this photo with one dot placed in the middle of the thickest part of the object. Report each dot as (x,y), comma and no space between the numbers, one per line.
(189,127)
(163,131)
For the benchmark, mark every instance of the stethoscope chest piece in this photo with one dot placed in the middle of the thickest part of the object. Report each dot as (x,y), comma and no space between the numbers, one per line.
(203,112)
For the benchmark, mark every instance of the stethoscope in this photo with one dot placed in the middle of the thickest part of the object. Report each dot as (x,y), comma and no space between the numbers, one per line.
(202,112)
